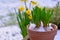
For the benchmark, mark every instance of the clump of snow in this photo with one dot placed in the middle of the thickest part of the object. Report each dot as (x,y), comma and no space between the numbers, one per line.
(49,28)
(41,28)
(32,26)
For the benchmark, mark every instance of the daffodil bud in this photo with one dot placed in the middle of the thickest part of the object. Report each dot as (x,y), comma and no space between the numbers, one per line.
(21,8)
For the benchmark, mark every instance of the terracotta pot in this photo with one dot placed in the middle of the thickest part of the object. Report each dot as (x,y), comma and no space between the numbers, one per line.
(49,35)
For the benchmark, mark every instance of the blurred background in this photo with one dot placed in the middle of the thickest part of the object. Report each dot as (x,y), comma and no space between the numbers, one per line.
(8,14)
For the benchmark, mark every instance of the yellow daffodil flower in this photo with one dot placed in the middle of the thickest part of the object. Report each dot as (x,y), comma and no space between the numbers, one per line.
(30,16)
(21,8)
(33,3)
(28,12)
(23,0)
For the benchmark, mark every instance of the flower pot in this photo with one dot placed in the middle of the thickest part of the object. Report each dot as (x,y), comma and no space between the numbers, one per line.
(49,35)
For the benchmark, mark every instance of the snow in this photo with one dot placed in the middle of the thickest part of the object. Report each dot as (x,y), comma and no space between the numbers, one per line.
(57,37)
(32,26)
(10,33)
(50,26)
(41,28)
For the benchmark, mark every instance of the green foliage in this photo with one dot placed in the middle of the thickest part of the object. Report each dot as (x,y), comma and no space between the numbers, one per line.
(23,21)
(36,15)
(46,15)
(39,15)
(56,15)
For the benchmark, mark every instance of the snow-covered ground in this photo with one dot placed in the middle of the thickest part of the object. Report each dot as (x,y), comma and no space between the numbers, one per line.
(10,33)
(14,33)
(57,37)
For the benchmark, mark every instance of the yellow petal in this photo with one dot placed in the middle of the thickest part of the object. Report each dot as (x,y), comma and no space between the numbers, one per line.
(28,12)
(33,3)
(21,8)
(30,16)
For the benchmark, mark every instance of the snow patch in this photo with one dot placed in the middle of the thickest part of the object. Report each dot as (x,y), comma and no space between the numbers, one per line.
(41,28)
(32,26)
(49,28)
